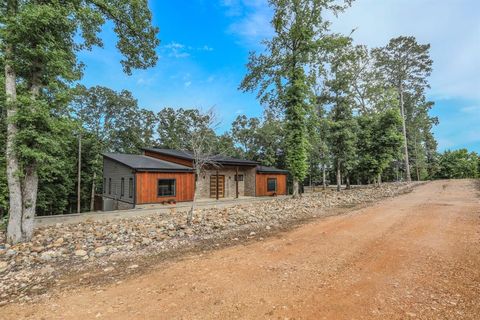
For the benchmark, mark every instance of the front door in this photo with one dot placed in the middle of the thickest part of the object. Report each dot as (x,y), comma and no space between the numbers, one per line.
(217,186)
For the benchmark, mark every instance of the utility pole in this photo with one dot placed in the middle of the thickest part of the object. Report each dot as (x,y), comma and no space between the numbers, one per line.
(79,171)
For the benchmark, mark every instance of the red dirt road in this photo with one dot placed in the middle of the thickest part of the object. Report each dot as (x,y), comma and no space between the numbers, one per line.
(413,256)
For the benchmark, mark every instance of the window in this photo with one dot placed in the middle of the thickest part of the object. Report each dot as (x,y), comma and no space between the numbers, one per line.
(130,187)
(271,184)
(239,177)
(109,185)
(166,187)
(122,187)
(104,185)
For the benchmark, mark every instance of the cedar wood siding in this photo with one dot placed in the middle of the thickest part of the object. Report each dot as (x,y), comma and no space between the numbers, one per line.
(147,185)
(176,160)
(261,184)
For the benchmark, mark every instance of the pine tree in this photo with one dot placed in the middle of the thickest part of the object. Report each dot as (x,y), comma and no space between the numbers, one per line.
(406,65)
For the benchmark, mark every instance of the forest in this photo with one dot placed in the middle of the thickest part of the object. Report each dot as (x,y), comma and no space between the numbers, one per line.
(334,111)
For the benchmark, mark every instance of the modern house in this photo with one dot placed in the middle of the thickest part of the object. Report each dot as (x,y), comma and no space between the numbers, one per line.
(166,176)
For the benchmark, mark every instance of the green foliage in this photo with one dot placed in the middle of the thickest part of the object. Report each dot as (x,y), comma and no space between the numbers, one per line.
(379,142)
(278,74)
(39,41)
(342,136)
(296,135)
(175,127)
(458,164)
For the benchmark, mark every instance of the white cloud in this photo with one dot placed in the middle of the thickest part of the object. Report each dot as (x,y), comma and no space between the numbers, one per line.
(187,84)
(471,110)
(452,27)
(176,50)
(205,48)
(251,20)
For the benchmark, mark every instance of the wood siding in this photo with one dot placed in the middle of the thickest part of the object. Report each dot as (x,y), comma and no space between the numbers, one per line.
(261,184)
(113,173)
(147,184)
(176,160)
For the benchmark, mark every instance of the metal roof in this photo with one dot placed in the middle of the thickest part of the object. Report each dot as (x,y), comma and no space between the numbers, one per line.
(144,163)
(264,169)
(187,155)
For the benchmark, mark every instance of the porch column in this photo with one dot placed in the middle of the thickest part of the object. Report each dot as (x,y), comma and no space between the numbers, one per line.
(236,181)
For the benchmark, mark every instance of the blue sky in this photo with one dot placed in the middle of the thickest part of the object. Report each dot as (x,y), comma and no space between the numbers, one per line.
(205,44)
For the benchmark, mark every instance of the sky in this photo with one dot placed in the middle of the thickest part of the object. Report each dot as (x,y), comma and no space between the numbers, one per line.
(205,46)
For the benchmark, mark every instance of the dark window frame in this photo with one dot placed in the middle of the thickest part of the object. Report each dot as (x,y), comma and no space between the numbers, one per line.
(109,185)
(268,184)
(174,187)
(104,185)
(130,187)
(240,177)
(122,187)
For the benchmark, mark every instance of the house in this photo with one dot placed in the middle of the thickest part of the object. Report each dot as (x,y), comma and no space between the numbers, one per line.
(166,175)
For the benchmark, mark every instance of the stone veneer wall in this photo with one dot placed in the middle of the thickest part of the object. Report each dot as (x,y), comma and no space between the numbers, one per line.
(245,187)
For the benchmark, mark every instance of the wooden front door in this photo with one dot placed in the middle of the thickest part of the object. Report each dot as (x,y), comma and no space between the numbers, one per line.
(217,185)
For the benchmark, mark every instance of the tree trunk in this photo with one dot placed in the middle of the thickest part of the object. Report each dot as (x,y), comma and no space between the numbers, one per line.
(14,229)
(404,131)
(79,174)
(379,179)
(339,176)
(416,158)
(30,188)
(348,182)
(324,178)
(296,188)
(192,208)
(92,196)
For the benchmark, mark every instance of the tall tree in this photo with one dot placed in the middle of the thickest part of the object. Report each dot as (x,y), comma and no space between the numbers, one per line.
(245,132)
(279,73)
(406,65)
(379,142)
(39,42)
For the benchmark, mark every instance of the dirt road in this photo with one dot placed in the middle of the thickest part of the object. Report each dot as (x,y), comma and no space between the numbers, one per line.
(413,256)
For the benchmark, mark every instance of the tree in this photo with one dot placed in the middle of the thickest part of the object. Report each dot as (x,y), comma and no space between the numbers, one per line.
(458,164)
(39,42)
(202,147)
(279,73)
(245,134)
(379,142)
(406,65)
(342,139)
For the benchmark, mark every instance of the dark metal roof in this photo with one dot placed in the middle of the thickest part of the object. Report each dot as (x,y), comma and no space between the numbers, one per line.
(187,155)
(264,169)
(144,163)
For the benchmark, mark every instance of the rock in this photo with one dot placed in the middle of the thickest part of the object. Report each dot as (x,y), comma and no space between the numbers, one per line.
(46,256)
(268,227)
(101,250)
(3,266)
(48,269)
(10,252)
(133,266)
(146,241)
(252,233)
(59,242)
(80,253)
(108,269)
(37,249)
